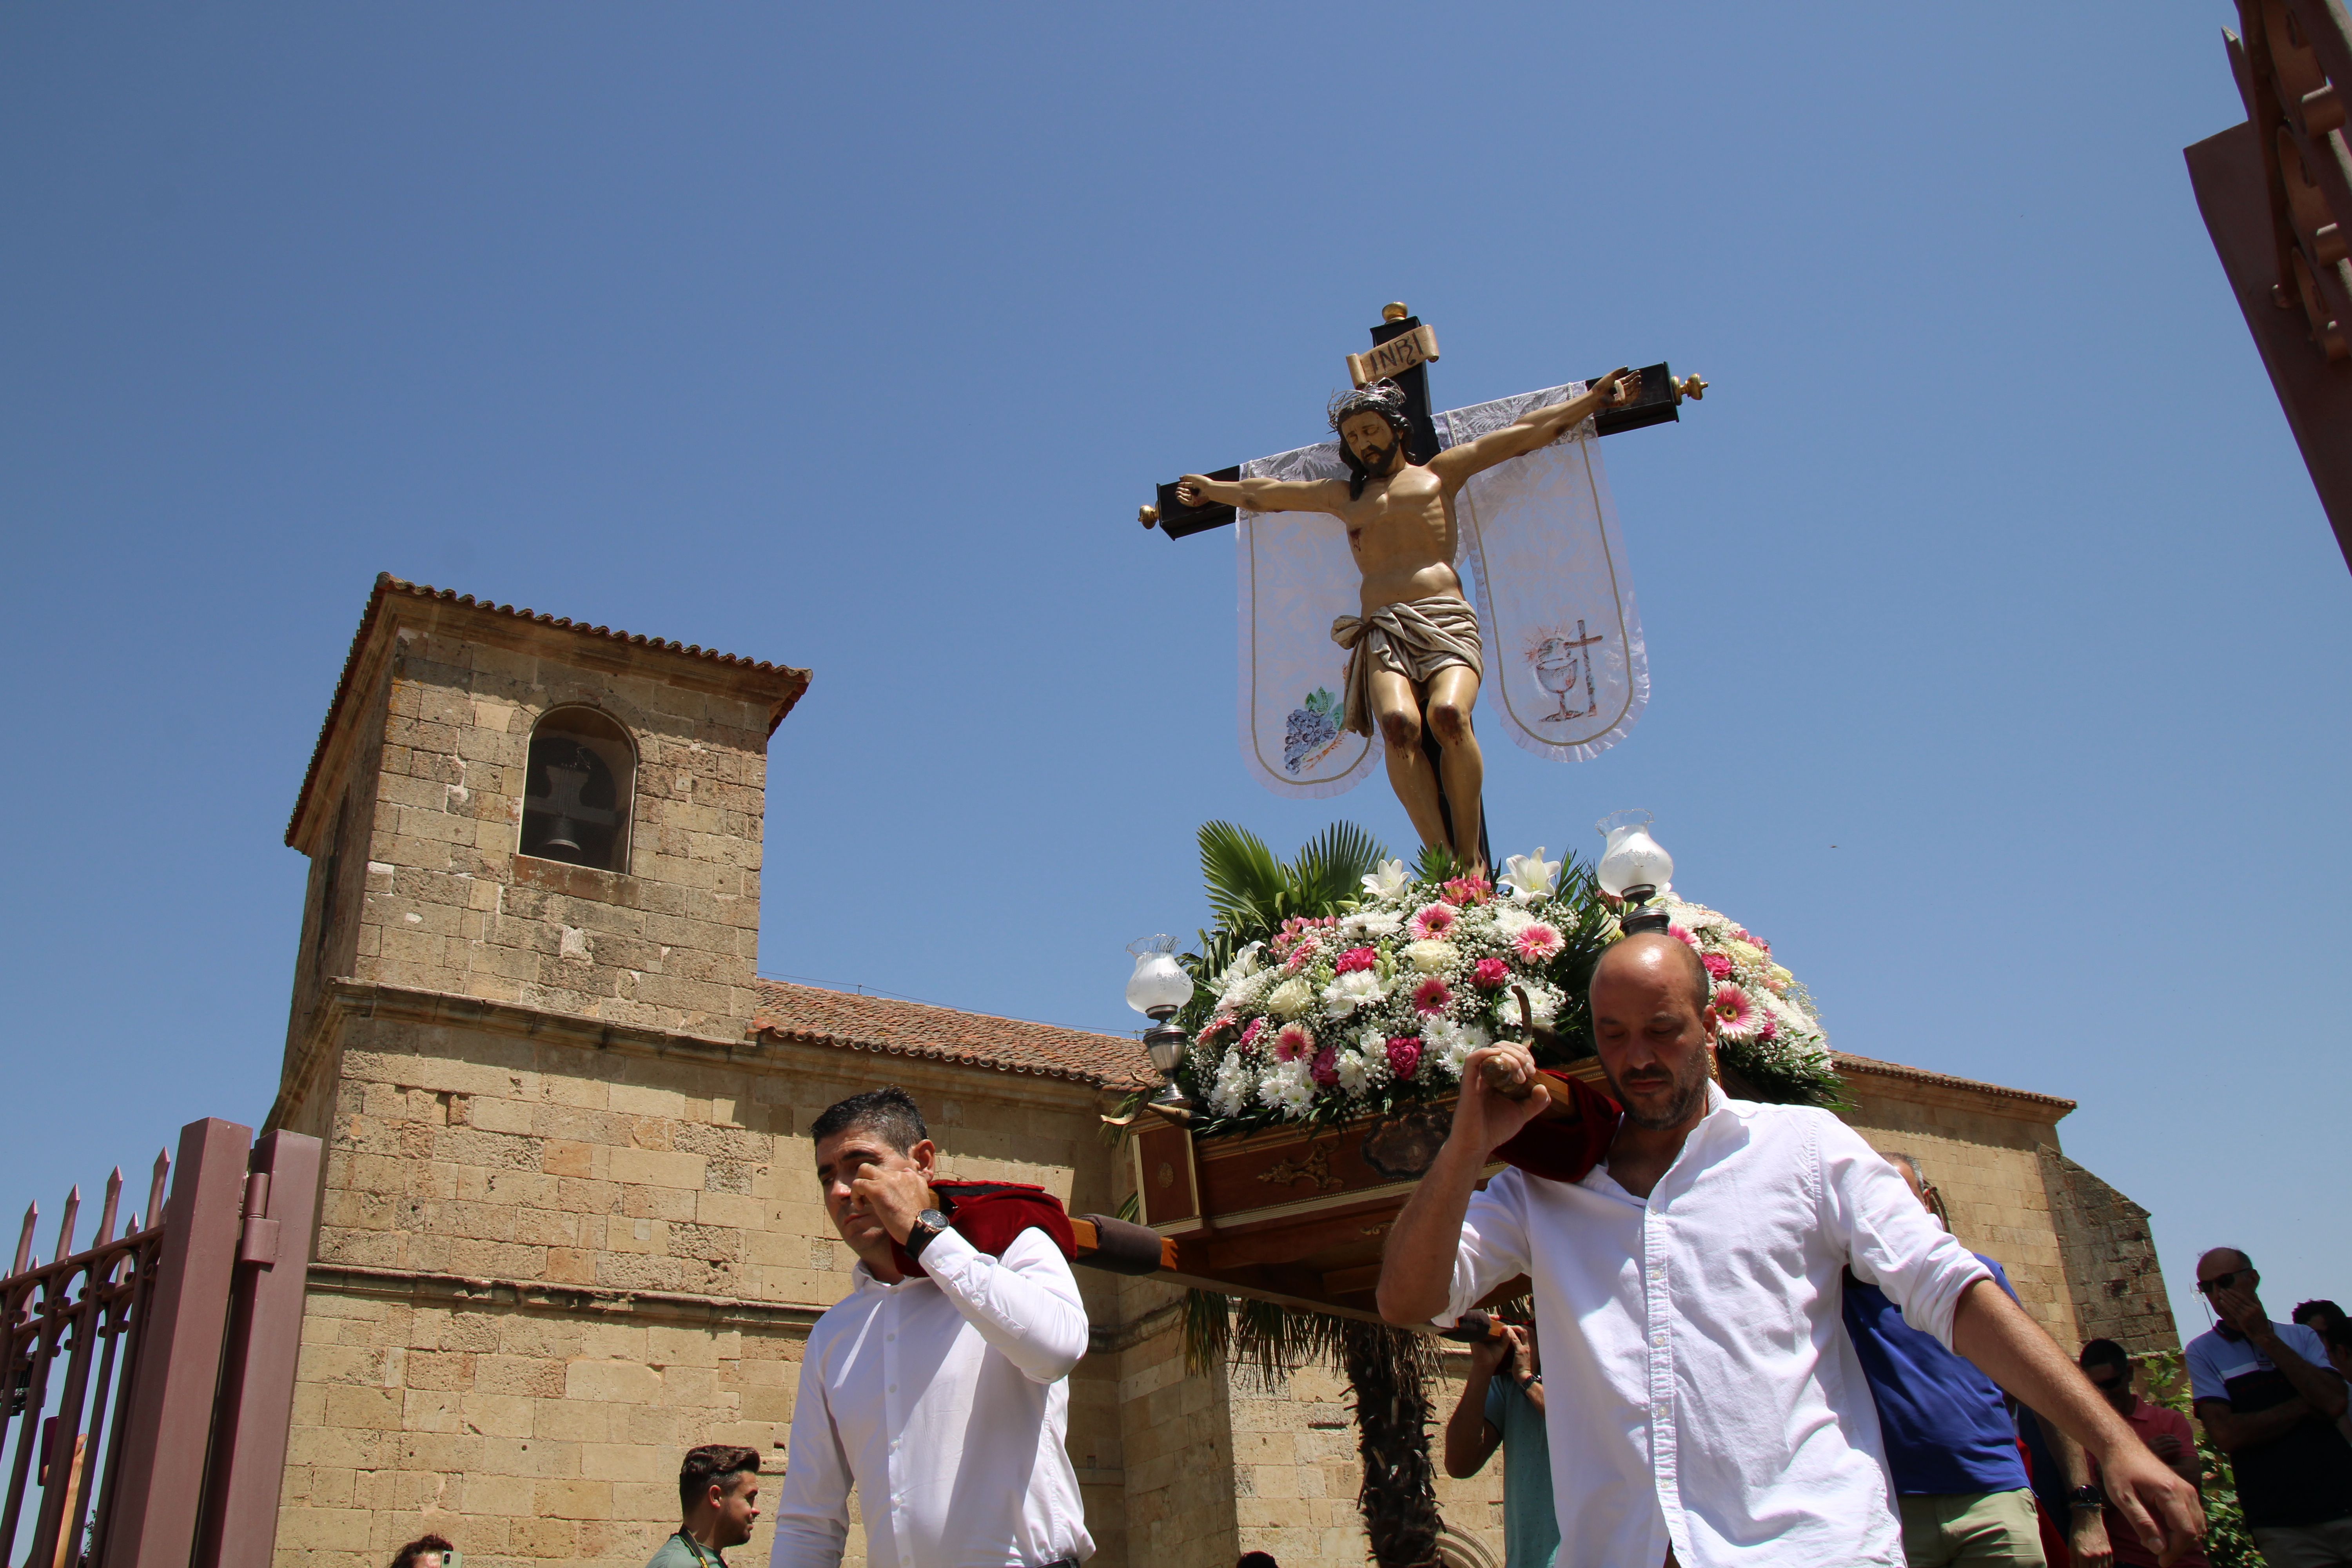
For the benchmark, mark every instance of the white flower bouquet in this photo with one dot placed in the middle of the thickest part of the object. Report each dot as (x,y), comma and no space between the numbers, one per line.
(1368,998)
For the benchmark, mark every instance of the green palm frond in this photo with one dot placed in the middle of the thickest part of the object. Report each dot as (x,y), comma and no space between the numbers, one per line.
(1247,886)
(1330,870)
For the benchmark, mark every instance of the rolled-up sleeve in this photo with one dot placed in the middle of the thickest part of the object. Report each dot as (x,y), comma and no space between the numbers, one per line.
(1889,1239)
(1024,1304)
(812,1511)
(1494,1245)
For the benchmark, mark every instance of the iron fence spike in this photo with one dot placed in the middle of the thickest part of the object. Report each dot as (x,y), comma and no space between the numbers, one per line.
(24,1241)
(113,1201)
(66,1226)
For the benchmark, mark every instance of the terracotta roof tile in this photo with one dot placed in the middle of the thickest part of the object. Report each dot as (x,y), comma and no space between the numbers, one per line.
(1876,1068)
(388,585)
(891,1027)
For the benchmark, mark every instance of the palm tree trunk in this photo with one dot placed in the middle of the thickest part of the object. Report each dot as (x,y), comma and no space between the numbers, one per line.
(1398,1499)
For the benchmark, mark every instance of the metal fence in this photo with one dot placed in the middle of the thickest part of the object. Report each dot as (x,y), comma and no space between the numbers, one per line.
(149,1376)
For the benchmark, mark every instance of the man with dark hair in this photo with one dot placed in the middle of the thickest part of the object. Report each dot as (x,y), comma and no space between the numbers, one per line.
(1414,655)
(425,1551)
(2270,1400)
(2166,1433)
(1961,1489)
(1702,1400)
(2321,1316)
(718,1503)
(938,1386)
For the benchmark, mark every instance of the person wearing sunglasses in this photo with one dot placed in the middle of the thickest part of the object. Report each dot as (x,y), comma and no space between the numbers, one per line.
(2166,1432)
(2270,1400)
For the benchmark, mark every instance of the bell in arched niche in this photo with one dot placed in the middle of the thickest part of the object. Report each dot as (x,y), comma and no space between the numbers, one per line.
(576,790)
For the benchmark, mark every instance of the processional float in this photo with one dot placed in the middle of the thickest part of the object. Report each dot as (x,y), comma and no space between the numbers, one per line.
(1311,1047)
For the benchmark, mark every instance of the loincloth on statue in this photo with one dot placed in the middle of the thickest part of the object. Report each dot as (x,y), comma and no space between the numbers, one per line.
(1415,638)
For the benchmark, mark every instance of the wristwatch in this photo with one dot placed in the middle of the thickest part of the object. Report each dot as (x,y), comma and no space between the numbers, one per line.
(2086,1496)
(928,1224)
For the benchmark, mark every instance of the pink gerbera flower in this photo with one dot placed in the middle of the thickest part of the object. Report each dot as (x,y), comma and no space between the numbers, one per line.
(1717,965)
(1250,1034)
(1325,1069)
(1356,958)
(1463,891)
(1680,935)
(1735,1014)
(1490,975)
(1537,942)
(1431,996)
(1295,1041)
(1404,1055)
(1434,921)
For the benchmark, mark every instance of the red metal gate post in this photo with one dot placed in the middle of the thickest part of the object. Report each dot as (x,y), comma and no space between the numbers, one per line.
(169,1426)
(265,1341)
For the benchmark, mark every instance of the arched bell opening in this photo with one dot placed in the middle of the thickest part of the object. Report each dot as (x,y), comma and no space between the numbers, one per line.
(578,788)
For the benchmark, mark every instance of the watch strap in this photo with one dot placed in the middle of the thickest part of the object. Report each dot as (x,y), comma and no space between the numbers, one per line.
(928,1225)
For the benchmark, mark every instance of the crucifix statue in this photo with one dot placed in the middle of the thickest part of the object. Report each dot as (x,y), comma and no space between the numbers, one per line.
(1414,655)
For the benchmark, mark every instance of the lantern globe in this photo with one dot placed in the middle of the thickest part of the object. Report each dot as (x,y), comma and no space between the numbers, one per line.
(1158,985)
(1631,858)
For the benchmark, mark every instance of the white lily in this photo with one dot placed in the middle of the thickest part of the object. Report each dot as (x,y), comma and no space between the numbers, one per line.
(1530,875)
(1389,881)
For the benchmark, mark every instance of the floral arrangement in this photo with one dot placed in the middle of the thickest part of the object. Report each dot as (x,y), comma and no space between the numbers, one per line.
(1766,1031)
(1371,1003)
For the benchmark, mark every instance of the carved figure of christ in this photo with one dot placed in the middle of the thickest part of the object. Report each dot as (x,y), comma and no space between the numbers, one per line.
(1400,530)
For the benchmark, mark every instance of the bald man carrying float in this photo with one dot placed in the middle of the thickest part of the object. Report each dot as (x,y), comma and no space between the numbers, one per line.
(1705,1407)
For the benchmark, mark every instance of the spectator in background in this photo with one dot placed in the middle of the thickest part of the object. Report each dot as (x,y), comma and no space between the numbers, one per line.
(2270,1399)
(1959,1481)
(2166,1433)
(2322,1317)
(1508,1409)
(718,1501)
(426,1551)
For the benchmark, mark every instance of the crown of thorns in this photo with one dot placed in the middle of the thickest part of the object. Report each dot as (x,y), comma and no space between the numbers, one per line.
(1385,398)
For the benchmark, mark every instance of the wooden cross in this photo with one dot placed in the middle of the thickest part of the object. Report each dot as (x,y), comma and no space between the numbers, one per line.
(1403,346)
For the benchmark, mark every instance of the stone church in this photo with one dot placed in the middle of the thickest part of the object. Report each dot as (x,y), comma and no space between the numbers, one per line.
(570,1225)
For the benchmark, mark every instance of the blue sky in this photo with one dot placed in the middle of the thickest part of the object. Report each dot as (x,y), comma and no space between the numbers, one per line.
(2000,650)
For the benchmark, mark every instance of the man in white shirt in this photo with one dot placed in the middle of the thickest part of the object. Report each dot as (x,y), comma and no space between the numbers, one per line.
(938,1386)
(1704,1403)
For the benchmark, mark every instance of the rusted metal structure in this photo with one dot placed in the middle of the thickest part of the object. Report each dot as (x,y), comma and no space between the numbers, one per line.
(2276,194)
(150,1375)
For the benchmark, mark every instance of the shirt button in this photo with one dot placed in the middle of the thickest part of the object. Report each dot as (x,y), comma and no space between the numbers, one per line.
(894,1388)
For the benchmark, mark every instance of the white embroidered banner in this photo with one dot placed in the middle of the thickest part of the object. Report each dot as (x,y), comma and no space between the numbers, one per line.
(1540,558)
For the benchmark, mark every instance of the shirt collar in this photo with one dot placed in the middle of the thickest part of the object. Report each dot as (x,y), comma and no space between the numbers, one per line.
(861,1279)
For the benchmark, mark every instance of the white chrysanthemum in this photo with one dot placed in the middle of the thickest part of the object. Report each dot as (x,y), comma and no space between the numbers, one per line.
(1432,957)
(1357,988)
(1353,1080)
(1287,1088)
(1290,998)
(1240,994)
(1372,923)
(1510,920)
(1230,1094)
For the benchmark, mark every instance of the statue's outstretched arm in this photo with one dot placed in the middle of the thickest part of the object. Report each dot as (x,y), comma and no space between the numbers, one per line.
(1264,495)
(1537,427)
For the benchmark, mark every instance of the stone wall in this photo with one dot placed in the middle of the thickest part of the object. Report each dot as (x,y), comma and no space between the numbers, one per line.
(1981,1147)
(2118,1288)
(553,1254)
